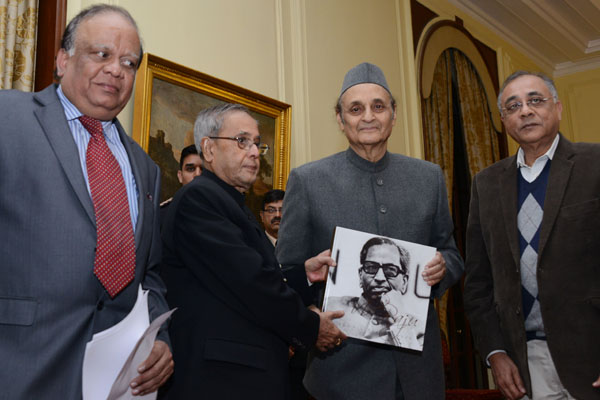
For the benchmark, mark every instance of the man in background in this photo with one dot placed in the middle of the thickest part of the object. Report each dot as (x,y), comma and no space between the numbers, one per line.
(236,316)
(190,166)
(80,224)
(531,289)
(270,214)
(366,188)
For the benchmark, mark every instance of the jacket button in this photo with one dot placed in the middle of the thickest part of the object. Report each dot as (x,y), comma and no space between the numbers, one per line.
(379,181)
(382,209)
(518,311)
(100,305)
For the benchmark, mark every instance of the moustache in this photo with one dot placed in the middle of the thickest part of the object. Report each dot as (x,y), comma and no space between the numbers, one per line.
(276,219)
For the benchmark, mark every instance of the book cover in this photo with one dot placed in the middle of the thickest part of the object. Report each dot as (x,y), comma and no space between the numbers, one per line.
(378,284)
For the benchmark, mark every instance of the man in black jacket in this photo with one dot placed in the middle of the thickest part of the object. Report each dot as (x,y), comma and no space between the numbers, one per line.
(236,314)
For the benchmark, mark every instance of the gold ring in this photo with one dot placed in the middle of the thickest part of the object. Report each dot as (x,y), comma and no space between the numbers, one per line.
(338,342)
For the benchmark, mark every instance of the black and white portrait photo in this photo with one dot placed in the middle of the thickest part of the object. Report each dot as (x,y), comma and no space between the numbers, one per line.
(378,285)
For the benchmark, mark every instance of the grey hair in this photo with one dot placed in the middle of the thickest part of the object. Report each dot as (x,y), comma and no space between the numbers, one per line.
(70,34)
(338,106)
(210,121)
(547,81)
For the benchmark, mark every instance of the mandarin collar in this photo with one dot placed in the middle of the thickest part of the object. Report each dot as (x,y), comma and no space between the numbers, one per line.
(233,192)
(367,165)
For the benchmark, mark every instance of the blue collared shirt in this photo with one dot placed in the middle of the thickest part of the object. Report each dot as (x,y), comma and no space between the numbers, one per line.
(82,137)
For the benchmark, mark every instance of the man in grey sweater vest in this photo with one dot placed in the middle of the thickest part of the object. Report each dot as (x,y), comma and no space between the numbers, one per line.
(531,291)
(367,188)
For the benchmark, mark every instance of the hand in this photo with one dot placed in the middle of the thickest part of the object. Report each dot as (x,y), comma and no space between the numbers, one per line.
(316,267)
(155,371)
(596,384)
(329,334)
(394,302)
(405,329)
(435,269)
(506,376)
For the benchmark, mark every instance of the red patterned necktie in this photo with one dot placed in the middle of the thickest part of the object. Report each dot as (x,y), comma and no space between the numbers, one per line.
(114,264)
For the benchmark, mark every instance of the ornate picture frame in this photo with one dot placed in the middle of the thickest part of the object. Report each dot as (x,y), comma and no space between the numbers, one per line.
(168,96)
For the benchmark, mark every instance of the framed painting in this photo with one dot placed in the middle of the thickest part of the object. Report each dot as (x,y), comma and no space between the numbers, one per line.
(168,96)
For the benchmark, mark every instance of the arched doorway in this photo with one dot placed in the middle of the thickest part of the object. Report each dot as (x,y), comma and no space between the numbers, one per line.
(462,133)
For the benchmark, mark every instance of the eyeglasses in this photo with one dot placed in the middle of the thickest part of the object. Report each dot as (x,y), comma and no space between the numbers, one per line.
(246,144)
(534,102)
(389,270)
(272,210)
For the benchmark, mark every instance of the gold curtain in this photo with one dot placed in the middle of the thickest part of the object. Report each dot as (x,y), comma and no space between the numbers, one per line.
(439,137)
(18,23)
(438,121)
(481,139)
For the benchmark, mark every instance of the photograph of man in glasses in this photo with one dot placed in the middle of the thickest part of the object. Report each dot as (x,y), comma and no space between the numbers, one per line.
(385,311)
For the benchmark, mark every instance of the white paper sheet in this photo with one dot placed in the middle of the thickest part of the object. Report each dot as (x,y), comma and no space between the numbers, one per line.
(120,389)
(113,352)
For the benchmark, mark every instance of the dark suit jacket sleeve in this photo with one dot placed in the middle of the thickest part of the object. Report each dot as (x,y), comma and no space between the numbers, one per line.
(213,237)
(442,237)
(148,250)
(479,284)
(156,300)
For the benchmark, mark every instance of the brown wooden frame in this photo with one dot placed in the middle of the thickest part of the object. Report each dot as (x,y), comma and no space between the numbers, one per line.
(52,15)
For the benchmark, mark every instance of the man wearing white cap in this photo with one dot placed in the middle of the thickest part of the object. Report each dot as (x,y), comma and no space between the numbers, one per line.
(369,189)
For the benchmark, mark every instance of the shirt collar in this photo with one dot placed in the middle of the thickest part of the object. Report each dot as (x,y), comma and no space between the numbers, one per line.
(549,154)
(73,113)
(271,238)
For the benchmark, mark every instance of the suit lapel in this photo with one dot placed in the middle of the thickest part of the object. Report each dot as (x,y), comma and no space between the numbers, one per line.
(507,188)
(139,181)
(51,117)
(560,170)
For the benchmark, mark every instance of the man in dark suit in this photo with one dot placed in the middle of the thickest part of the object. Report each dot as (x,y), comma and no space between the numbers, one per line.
(270,215)
(236,315)
(79,215)
(190,166)
(531,289)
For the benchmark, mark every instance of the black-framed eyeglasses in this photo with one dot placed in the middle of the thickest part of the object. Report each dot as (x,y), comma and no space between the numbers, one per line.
(245,143)
(273,210)
(534,102)
(389,270)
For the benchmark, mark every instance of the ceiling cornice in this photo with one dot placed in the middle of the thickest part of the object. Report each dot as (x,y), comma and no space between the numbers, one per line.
(555,34)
